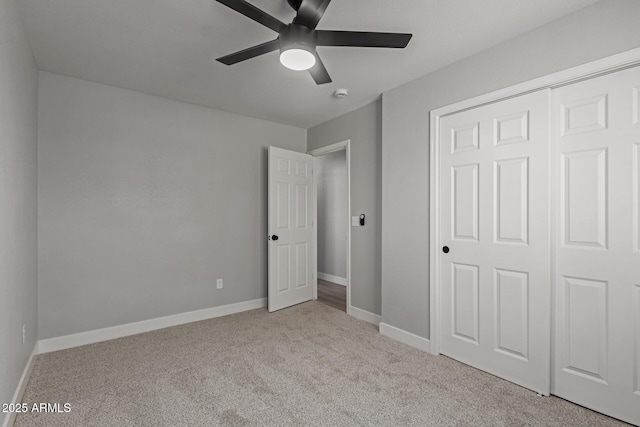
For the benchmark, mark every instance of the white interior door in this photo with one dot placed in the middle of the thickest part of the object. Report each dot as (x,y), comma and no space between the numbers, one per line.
(596,127)
(494,186)
(290,228)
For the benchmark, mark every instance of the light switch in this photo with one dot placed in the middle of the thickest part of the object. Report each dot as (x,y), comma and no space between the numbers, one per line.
(355,221)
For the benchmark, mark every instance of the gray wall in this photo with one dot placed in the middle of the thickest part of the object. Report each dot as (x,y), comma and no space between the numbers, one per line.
(18,199)
(603,29)
(144,202)
(333,213)
(362,127)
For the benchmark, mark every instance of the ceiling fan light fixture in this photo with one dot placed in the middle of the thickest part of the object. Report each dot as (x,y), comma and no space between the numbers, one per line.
(298,40)
(297,59)
(297,47)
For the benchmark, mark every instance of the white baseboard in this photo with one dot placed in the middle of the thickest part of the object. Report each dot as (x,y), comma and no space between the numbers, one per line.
(361,314)
(9,417)
(405,337)
(89,337)
(334,279)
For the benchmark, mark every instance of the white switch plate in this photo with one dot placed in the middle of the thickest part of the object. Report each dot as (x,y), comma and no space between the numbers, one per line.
(355,221)
(219,283)
(24,333)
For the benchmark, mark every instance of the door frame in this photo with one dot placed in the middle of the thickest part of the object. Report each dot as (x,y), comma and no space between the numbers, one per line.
(338,146)
(581,72)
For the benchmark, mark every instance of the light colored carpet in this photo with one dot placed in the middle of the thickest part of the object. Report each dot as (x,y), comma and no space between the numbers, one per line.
(306,365)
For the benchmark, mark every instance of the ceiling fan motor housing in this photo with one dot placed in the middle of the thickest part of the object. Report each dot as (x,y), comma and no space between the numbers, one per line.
(297,37)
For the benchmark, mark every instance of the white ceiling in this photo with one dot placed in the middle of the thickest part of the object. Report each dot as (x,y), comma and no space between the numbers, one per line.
(168,47)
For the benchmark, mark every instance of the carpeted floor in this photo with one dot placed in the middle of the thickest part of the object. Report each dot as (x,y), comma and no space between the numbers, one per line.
(306,365)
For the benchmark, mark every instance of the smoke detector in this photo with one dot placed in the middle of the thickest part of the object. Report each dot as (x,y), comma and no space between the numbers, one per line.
(341,93)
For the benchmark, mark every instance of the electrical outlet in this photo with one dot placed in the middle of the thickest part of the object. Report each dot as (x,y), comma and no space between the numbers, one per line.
(24,333)
(219,283)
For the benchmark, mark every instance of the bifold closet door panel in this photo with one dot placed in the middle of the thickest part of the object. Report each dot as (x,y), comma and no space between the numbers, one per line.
(495,282)
(596,155)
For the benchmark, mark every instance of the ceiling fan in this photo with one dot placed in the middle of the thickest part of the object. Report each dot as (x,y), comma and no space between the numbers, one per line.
(298,40)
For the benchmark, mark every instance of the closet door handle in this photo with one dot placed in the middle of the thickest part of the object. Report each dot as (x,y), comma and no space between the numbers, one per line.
(274,237)
(445,249)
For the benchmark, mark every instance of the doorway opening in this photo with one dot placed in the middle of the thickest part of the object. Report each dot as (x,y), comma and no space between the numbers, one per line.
(332,213)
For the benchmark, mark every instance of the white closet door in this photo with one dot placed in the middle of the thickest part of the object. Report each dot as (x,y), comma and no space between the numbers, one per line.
(495,293)
(596,126)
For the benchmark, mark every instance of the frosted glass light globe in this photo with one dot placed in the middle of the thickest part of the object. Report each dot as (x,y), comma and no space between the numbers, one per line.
(297,59)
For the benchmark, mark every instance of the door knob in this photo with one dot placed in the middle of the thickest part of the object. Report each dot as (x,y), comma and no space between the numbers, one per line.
(445,249)
(274,237)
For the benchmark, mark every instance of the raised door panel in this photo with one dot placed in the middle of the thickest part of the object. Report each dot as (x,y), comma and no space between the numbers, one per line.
(584,115)
(636,315)
(511,190)
(464,280)
(282,205)
(464,209)
(302,205)
(302,169)
(465,137)
(511,128)
(585,318)
(636,197)
(283,166)
(584,198)
(302,265)
(283,262)
(512,313)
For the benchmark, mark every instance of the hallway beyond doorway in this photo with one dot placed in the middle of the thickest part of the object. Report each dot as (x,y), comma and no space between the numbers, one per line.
(332,294)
